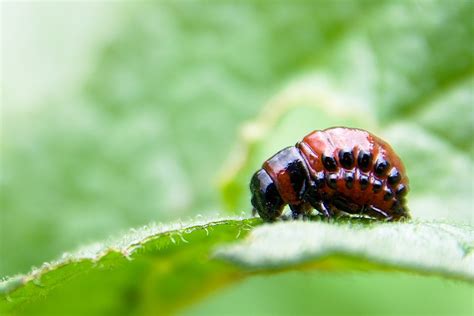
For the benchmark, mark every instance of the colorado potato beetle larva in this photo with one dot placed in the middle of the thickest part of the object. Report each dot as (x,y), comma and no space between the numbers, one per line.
(333,170)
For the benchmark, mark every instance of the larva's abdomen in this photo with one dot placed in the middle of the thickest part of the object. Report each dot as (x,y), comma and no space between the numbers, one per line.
(357,166)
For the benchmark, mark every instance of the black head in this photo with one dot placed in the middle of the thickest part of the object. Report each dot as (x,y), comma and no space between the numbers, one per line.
(265,197)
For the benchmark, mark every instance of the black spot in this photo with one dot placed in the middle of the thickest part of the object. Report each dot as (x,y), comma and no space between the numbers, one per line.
(381,167)
(346,158)
(388,194)
(363,181)
(329,163)
(376,185)
(349,178)
(364,160)
(331,180)
(401,190)
(298,176)
(394,176)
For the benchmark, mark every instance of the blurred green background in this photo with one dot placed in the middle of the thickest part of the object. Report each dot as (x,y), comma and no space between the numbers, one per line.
(116,114)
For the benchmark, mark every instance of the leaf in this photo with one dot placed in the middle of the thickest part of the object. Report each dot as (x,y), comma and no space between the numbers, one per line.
(157,267)
(164,268)
(425,248)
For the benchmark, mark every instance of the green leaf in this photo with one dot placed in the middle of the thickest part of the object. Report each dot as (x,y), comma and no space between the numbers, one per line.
(157,267)
(164,268)
(425,248)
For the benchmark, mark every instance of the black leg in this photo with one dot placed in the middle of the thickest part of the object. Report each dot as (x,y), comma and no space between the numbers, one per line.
(346,206)
(300,210)
(377,213)
(295,211)
(324,209)
(321,207)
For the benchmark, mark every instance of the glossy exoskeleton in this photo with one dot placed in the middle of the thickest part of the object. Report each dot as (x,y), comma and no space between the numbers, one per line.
(334,170)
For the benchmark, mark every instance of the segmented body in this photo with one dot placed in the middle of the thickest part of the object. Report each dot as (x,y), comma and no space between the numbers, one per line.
(333,170)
